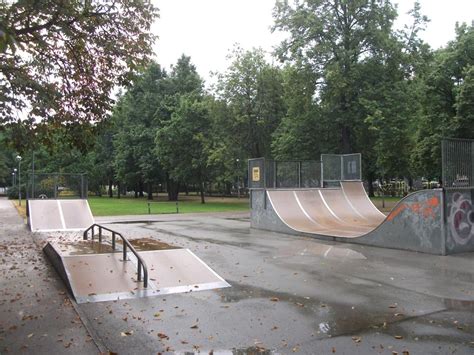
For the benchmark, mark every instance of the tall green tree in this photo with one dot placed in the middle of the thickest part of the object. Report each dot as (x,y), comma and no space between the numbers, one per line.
(182,85)
(333,37)
(252,89)
(135,119)
(447,101)
(60,60)
(181,142)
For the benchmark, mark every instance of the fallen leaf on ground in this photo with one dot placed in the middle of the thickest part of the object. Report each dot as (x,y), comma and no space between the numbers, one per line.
(274,299)
(163,336)
(398,337)
(127,333)
(195,326)
(357,339)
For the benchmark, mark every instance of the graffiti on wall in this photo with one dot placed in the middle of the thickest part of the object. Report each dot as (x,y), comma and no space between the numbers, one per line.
(460,217)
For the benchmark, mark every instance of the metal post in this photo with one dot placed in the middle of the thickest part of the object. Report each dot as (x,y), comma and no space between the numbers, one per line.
(19,179)
(322,173)
(139,271)
(33,176)
(100,235)
(342,168)
(92,231)
(177,207)
(82,186)
(124,251)
(299,174)
(149,211)
(274,174)
(55,185)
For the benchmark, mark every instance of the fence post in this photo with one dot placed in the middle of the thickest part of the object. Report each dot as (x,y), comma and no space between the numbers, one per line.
(275,166)
(299,174)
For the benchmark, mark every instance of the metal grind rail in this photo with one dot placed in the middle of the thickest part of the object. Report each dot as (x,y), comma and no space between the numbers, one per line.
(126,243)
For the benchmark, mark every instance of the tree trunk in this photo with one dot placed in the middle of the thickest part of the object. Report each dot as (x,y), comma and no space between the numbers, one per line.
(346,140)
(370,182)
(118,189)
(150,191)
(201,187)
(186,189)
(140,188)
(173,189)
(111,194)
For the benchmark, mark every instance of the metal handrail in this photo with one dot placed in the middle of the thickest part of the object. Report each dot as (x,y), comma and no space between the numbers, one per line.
(126,243)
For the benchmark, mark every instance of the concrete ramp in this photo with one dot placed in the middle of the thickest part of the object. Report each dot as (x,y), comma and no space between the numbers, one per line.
(59,215)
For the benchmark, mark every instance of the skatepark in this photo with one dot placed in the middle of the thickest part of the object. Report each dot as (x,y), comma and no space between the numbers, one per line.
(300,273)
(288,294)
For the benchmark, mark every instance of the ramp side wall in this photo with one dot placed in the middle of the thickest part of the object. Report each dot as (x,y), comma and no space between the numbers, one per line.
(459,220)
(414,224)
(263,216)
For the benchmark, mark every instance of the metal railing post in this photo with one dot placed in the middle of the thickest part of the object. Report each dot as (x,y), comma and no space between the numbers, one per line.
(139,271)
(141,267)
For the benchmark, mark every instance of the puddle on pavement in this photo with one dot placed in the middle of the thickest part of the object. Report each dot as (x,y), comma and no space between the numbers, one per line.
(459,305)
(85,247)
(145,244)
(329,318)
(140,222)
(318,249)
(254,350)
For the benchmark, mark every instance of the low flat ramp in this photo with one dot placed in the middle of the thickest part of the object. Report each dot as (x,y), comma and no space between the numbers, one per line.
(106,277)
(59,215)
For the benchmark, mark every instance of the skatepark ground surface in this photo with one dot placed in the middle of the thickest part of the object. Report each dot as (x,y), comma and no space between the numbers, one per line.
(289,294)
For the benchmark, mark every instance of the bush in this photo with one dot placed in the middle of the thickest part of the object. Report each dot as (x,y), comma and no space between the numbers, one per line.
(12,192)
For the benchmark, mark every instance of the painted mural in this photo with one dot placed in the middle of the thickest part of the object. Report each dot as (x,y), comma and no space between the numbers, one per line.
(460,218)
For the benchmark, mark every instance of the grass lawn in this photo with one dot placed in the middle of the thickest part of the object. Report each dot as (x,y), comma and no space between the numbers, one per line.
(105,206)
(389,202)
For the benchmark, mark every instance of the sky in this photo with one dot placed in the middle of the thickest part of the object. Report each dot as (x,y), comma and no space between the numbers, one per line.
(207,30)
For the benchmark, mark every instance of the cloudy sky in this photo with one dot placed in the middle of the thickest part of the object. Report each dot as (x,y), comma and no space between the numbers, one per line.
(207,29)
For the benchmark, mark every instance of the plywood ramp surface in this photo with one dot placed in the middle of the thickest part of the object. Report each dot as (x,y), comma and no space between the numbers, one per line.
(355,192)
(315,206)
(59,215)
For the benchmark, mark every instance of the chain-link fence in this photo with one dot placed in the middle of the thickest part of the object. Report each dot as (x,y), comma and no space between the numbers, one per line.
(284,174)
(341,167)
(458,163)
(56,186)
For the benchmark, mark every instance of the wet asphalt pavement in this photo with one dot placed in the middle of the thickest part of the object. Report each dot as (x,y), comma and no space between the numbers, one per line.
(289,295)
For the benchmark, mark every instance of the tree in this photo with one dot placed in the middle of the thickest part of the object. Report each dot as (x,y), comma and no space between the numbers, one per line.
(181,142)
(447,103)
(253,91)
(182,82)
(304,133)
(333,37)
(60,60)
(136,121)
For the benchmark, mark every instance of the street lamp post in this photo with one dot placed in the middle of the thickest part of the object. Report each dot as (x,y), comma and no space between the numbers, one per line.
(238,177)
(18,157)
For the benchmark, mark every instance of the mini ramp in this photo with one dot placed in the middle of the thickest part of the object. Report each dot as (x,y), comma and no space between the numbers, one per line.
(98,274)
(51,215)
(419,222)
